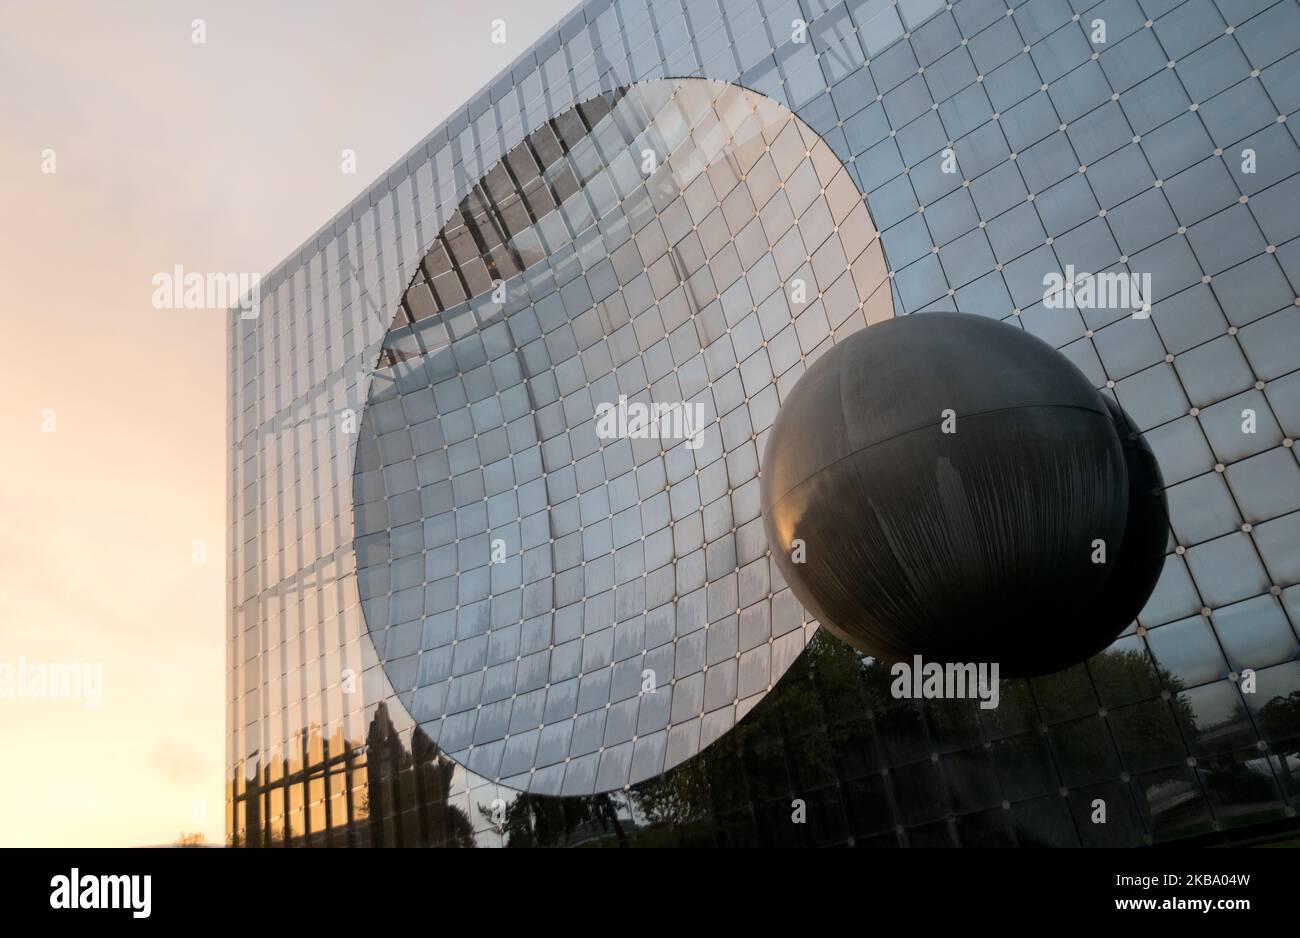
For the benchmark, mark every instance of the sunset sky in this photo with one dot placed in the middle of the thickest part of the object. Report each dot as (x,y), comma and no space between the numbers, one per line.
(221,156)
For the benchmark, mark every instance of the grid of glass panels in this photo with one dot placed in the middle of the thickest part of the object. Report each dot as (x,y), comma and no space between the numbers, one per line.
(1167,149)
(564,612)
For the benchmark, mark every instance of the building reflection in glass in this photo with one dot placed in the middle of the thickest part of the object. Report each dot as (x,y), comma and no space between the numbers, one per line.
(1172,764)
(1123,157)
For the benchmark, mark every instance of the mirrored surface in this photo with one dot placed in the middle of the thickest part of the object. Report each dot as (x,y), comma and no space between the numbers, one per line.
(1150,127)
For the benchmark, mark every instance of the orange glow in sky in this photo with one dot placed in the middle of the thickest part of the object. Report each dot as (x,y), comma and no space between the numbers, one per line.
(220,156)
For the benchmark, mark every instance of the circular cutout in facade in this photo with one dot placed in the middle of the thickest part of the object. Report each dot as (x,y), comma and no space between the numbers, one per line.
(560,551)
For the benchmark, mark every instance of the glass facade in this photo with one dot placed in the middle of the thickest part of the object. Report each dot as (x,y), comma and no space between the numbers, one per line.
(460,615)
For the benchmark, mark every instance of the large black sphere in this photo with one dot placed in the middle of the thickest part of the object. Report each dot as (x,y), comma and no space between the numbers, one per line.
(976,545)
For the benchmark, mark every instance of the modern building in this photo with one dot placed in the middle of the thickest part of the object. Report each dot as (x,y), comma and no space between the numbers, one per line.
(476,600)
